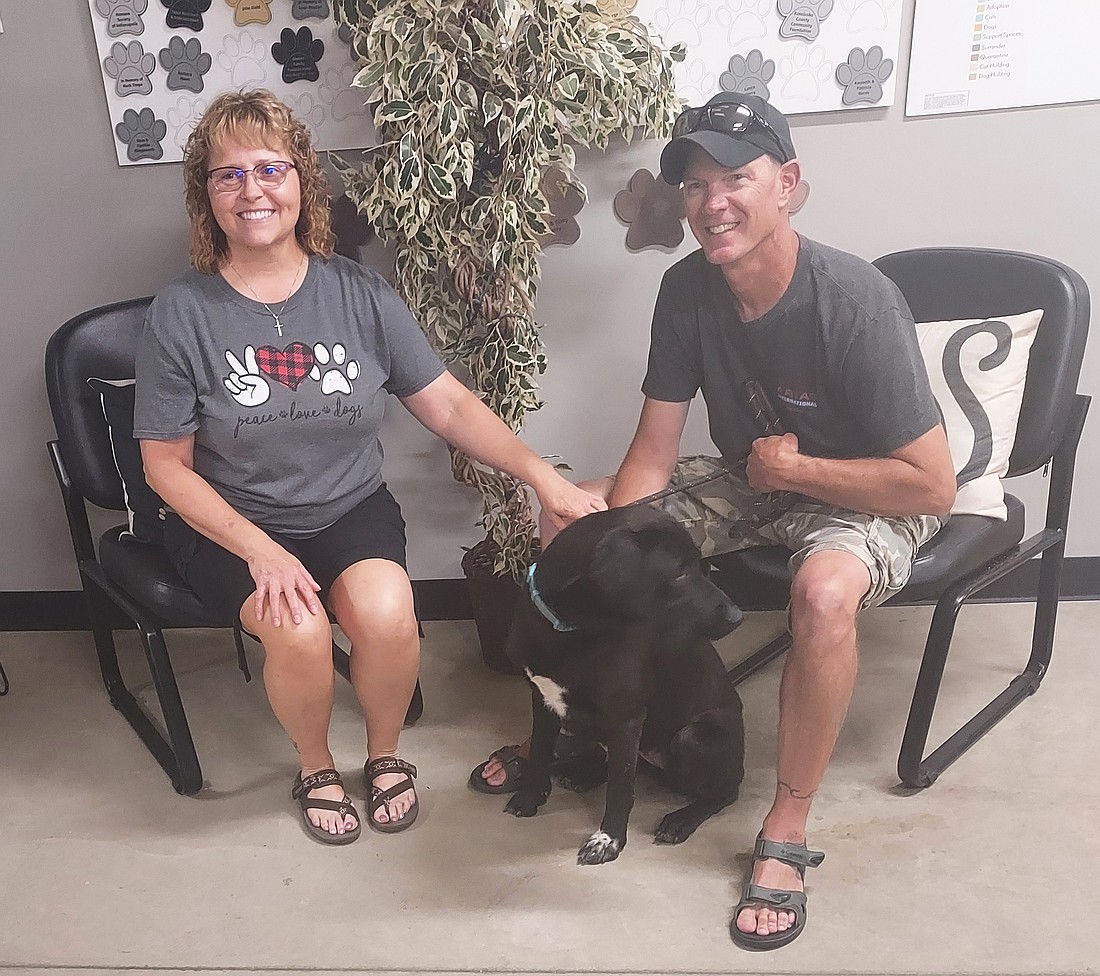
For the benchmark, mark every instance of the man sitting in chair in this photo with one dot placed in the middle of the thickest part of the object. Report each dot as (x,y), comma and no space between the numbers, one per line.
(859,481)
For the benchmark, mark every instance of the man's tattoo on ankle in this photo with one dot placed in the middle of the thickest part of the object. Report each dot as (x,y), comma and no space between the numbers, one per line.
(797,794)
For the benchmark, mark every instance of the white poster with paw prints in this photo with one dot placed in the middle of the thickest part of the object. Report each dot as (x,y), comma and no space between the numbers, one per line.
(164,60)
(800,55)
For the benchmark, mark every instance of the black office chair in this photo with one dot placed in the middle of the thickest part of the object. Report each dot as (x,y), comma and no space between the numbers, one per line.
(135,578)
(971,551)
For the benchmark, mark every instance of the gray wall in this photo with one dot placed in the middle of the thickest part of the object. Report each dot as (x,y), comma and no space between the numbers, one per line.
(79,231)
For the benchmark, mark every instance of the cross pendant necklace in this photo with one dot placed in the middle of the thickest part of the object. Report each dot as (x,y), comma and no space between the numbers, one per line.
(282,307)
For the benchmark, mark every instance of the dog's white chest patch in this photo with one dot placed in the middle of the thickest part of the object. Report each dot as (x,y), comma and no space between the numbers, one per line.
(552,693)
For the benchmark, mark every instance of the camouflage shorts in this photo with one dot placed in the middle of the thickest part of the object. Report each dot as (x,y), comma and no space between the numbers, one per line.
(726,515)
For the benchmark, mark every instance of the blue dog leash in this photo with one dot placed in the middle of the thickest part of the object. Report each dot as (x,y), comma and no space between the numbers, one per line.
(541,605)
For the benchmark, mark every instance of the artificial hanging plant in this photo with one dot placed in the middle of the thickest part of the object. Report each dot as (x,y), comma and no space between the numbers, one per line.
(473,101)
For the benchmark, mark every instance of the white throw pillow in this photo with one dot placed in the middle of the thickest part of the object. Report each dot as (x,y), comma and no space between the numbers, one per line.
(977,369)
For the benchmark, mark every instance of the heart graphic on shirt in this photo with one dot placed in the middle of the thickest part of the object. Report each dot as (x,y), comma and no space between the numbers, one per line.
(289,366)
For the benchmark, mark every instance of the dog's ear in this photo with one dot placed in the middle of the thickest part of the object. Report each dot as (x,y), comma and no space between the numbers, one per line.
(614,559)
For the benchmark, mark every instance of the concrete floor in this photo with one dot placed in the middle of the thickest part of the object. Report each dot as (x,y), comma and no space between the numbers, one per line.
(103,868)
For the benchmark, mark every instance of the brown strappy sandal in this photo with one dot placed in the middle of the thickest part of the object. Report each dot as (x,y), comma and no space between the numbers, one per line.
(324,777)
(379,797)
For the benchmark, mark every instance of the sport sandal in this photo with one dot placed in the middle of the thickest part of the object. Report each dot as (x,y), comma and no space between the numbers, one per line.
(379,797)
(513,764)
(797,856)
(324,777)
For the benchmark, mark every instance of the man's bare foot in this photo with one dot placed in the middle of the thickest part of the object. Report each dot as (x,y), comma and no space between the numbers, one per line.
(770,873)
(494,772)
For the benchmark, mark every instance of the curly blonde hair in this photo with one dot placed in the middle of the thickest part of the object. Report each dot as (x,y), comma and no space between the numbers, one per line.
(255,118)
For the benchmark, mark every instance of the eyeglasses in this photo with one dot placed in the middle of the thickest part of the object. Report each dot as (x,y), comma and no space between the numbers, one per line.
(730,118)
(226,179)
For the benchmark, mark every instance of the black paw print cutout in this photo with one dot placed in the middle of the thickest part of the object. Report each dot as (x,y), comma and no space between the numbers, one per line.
(186,13)
(654,210)
(298,54)
(862,76)
(802,18)
(566,197)
(142,133)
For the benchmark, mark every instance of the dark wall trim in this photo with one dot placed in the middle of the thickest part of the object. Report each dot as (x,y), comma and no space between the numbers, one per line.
(447,599)
(64,609)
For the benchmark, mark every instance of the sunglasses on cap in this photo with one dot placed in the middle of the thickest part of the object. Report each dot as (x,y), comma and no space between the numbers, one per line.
(729,118)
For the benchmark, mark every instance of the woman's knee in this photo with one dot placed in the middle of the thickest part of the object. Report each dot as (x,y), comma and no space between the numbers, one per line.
(378,603)
(310,640)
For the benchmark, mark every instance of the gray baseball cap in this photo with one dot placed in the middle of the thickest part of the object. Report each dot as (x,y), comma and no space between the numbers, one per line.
(733,128)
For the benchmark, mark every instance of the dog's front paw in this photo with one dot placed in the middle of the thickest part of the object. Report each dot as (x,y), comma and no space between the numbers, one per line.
(599,849)
(676,827)
(525,803)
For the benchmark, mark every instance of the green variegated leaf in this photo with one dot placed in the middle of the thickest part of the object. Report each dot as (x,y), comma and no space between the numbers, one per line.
(491,105)
(395,111)
(448,120)
(441,181)
(369,76)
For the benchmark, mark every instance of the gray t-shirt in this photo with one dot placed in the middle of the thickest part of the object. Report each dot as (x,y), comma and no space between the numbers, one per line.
(286,428)
(837,356)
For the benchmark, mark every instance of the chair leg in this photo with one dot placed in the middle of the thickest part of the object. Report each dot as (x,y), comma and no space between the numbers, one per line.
(182,763)
(917,772)
(342,662)
(176,753)
(758,659)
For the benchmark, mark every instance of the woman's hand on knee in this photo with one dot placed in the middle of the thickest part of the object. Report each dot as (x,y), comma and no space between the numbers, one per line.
(280,576)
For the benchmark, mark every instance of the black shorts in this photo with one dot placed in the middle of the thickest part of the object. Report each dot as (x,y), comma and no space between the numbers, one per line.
(374,529)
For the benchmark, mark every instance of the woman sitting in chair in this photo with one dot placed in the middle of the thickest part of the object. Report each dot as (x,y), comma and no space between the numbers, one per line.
(262,376)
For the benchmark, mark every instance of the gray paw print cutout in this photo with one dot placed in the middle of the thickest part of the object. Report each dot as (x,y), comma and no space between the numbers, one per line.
(185,63)
(305,9)
(654,210)
(566,197)
(123,16)
(749,75)
(802,18)
(131,67)
(298,54)
(142,132)
(862,75)
(185,13)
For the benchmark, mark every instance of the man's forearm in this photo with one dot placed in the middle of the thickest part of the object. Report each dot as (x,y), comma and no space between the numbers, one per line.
(877,486)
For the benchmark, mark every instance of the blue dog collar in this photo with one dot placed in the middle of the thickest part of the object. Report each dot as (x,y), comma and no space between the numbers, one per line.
(540,604)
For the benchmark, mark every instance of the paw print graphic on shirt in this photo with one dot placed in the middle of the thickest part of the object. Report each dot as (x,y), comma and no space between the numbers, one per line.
(298,54)
(242,56)
(862,75)
(131,67)
(250,11)
(340,376)
(186,13)
(802,18)
(123,16)
(142,132)
(185,63)
(749,75)
(744,20)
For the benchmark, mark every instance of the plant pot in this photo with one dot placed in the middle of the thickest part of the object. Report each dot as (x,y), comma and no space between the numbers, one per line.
(493,599)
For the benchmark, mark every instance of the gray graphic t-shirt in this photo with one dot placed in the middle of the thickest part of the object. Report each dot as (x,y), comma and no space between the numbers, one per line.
(837,356)
(286,427)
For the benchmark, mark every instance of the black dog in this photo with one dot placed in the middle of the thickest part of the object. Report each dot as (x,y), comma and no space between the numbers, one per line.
(614,634)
